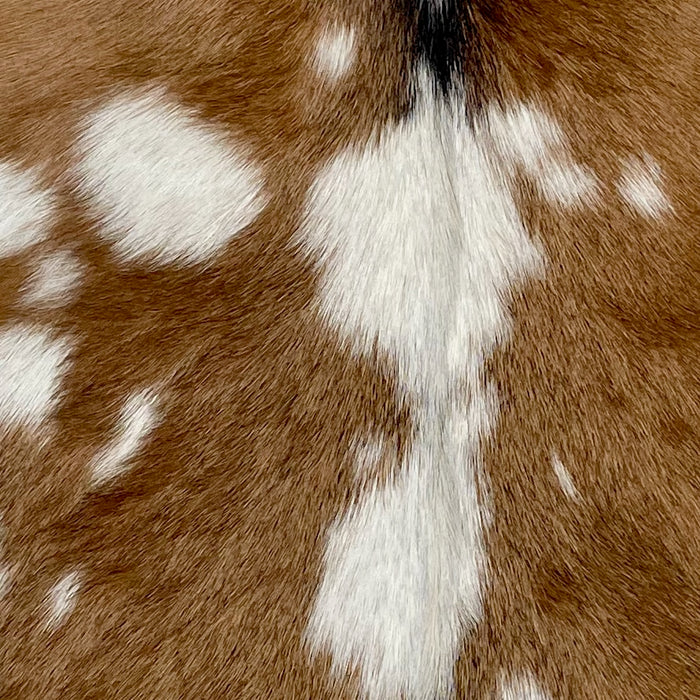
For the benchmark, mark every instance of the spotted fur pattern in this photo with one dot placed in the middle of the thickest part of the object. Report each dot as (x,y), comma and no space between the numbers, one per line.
(349,350)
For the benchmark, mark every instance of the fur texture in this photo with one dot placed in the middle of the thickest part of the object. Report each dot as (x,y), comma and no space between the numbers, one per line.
(349,350)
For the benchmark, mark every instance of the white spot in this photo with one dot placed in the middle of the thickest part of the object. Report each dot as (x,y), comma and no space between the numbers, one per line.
(528,138)
(62,598)
(523,688)
(640,186)
(335,52)
(26,210)
(404,569)
(4,580)
(525,135)
(32,365)
(418,240)
(565,481)
(567,185)
(166,186)
(137,419)
(418,244)
(53,281)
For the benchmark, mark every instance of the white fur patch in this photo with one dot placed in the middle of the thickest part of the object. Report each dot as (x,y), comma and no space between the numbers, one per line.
(404,568)
(32,365)
(62,598)
(418,244)
(54,280)
(567,185)
(166,186)
(565,480)
(4,580)
(26,210)
(526,137)
(641,187)
(137,419)
(335,52)
(523,688)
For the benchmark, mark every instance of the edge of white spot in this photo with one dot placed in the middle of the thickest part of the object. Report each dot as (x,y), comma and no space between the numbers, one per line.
(335,52)
(61,599)
(32,365)
(137,419)
(641,187)
(523,687)
(525,135)
(528,138)
(53,281)
(568,185)
(565,480)
(26,209)
(166,186)
(368,453)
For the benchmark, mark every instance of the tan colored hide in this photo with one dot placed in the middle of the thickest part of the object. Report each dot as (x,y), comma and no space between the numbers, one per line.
(320,378)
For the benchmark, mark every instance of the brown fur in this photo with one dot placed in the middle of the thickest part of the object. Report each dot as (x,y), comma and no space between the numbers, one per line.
(201,563)
(601,599)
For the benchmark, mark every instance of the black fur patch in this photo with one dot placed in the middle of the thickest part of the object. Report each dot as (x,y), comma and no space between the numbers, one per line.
(445,38)
(441,39)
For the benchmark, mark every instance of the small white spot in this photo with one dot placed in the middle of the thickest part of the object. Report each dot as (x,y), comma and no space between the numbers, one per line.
(640,186)
(335,52)
(525,135)
(137,419)
(62,598)
(166,186)
(565,481)
(53,281)
(32,365)
(4,580)
(26,210)
(523,688)
(567,185)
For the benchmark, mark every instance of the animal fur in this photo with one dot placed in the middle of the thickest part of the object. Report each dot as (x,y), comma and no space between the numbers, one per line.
(349,349)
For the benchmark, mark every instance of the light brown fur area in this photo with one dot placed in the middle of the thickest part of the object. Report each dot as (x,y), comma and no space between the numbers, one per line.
(198,565)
